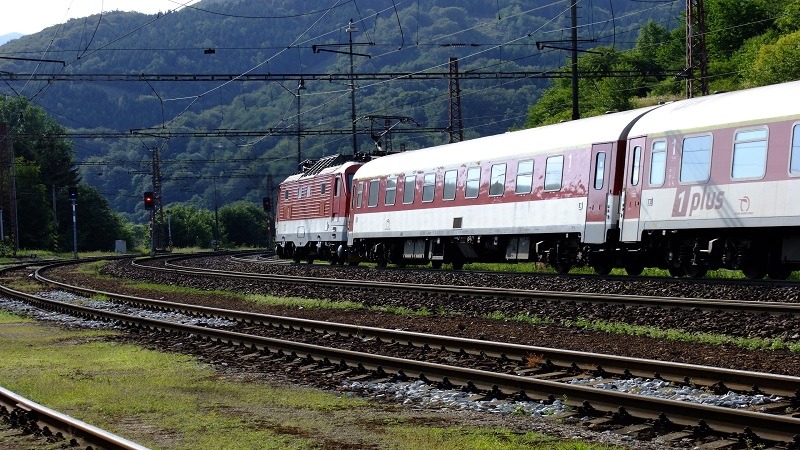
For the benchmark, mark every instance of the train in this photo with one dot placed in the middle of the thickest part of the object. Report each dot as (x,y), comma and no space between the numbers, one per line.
(687,186)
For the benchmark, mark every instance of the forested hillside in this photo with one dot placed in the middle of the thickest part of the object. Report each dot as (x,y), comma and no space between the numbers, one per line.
(280,37)
(749,43)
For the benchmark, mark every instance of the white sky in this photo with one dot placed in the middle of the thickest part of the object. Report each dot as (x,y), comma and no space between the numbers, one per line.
(31,16)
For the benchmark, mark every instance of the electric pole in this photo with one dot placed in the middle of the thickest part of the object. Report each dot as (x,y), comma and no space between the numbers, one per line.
(696,54)
(456,125)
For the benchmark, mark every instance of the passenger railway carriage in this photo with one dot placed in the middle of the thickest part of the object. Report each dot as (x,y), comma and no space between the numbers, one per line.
(718,183)
(693,185)
(537,194)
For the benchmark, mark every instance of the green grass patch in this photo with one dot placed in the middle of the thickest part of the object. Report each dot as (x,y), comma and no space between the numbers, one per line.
(483,439)
(525,318)
(652,332)
(22,285)
(177,289)
(683,336)
(296,302)
(402,311)
(91,268)
(9,317)
(158,394)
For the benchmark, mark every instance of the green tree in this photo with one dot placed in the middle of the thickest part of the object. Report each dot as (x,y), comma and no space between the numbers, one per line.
(778,62)
(243,223)
(731,22)
(34,216)
(191,227)
(42,161)
(97,226)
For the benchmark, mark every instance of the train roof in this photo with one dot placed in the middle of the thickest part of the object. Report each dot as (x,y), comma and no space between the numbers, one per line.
(550,138)
(736,108)
(325,166)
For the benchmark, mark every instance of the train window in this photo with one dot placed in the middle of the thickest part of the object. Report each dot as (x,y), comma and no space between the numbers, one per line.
(372,195)
(360,196)
(337,187)
(428,187)
(450,178)
(696,159)
(524,177)
(599,170)
(749,154)
(637,160)
(409,186)
(794,167)
(391,191)
(658,163)
(322,189)
(473,182)
(553,172)
(498,184)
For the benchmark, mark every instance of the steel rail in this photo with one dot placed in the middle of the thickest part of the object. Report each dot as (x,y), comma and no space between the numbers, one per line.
(480,291)
(766,426)
(67,425)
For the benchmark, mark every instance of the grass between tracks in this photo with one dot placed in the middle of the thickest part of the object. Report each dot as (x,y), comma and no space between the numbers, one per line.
(174,401)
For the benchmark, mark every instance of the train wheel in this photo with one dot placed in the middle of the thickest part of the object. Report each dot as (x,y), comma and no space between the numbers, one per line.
(676,272)
(563,268)
(634,269)
(458,265)
(602,268)
(436,264)
(754,271)
(696,271)
(779,271)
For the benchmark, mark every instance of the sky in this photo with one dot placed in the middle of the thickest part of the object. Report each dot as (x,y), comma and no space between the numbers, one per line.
(31,16)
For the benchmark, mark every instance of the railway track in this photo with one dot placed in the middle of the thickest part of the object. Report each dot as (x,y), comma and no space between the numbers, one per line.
(171,265)
(513,371)
(53,426)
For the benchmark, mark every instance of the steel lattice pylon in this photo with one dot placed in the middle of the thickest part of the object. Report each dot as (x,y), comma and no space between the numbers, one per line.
(696,54)
(456,126)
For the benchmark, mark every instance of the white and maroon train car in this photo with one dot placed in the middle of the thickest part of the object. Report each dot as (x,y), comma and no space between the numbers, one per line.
(714,182)
(313,210)
(542,194)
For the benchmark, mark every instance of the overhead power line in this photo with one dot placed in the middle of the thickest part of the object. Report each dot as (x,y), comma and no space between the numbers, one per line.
(167,134)
(7,76)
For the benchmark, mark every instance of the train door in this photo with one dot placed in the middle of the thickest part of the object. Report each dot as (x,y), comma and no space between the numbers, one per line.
(632,191)
(338,198)
(600,199)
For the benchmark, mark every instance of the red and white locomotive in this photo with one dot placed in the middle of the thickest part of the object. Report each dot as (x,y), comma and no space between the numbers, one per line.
(313,210)
(687,186)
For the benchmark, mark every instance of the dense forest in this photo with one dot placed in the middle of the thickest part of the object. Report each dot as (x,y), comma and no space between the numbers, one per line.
(249,126)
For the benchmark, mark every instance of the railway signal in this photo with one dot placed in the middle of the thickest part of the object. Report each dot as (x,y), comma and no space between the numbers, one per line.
(265,202)
(149,201)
